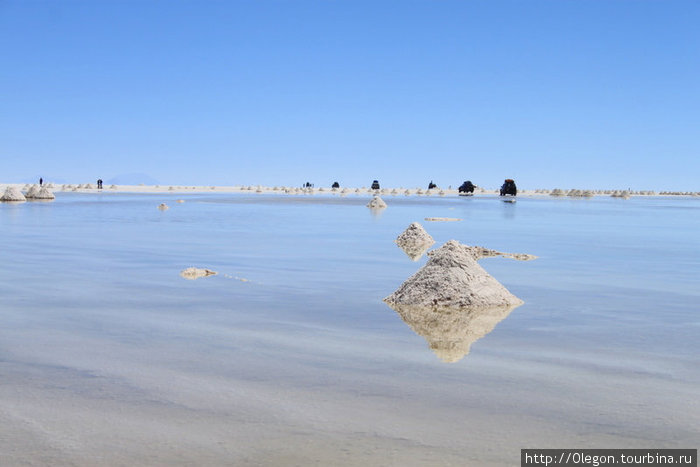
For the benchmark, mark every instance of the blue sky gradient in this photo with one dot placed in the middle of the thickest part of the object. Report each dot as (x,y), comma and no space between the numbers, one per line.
(588,94)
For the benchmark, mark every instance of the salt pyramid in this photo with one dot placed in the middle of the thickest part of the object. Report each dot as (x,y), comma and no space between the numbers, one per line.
(376,203)
(414,241)
(32,192)
(12,194)
(44,194)
(453,278)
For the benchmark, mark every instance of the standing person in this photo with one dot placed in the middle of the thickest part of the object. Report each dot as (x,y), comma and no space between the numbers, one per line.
(99,183)
(41,181)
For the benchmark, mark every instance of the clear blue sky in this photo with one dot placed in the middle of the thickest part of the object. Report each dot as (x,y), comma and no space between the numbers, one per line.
(587,94)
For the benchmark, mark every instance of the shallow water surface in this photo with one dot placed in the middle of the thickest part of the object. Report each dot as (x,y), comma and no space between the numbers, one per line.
(289,356)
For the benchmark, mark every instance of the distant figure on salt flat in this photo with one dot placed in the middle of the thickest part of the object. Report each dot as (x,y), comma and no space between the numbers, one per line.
(41,181)
(99,183)
(431,185)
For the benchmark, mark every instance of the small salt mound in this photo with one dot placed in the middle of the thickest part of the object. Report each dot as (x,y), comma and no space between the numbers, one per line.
(163,206)
(32,192)
(453,278)
(414,241)
(196,273)
(450,332)
(180,200)
(376,203)
(88,187)
(12,194)
(45,194)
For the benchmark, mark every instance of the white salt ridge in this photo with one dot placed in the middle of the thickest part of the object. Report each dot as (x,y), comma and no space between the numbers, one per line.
(415,241)
(452,278)
(376,203)
(442,219)
(195,273)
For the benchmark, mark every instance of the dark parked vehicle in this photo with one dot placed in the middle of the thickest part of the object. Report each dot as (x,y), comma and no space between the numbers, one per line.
(431,185)
(375,185)
(466,187)
(335,185)
(509,188)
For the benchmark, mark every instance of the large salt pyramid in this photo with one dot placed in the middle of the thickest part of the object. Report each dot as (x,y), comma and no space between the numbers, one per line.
(453,278)
(415,241)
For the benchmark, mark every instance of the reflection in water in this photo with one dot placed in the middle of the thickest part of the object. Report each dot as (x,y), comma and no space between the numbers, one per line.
(415,251)
(450,331)
(376,212)
(508,208)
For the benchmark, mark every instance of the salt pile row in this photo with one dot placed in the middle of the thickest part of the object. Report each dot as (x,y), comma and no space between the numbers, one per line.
(33,193)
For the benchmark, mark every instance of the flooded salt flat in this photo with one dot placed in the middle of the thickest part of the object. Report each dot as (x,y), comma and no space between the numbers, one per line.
(108,356)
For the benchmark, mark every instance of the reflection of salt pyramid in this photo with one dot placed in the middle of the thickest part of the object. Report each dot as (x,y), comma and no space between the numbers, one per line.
(452,301)
(415,241)
(450,331)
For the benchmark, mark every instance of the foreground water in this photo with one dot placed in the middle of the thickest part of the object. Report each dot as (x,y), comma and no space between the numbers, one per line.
(289,356)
